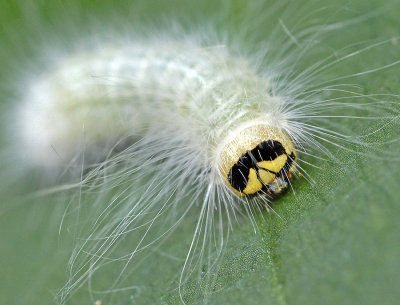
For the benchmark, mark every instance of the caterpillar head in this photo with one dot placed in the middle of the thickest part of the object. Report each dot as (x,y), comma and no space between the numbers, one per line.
(257,160)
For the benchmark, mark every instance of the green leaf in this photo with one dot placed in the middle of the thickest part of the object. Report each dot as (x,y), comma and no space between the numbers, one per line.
(335,240)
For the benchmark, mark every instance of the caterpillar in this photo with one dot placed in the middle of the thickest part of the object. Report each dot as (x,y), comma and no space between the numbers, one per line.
(256,154)
(169,130)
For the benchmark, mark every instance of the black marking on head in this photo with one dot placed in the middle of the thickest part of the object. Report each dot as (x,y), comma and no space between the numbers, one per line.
(265,151)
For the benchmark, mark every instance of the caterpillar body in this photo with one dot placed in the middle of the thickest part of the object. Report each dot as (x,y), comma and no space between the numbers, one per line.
(160,133)
(126,87)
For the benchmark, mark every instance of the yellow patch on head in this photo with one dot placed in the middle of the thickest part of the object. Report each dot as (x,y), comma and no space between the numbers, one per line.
(266,177)
(274,165)
(253,184)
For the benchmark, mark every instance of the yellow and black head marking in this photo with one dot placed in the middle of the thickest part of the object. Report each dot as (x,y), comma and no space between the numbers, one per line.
(258,160)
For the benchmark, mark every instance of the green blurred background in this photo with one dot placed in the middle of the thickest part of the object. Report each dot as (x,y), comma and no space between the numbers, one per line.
(336,241)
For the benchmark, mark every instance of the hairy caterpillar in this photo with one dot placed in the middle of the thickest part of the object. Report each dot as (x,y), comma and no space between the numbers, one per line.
(161,122)
(241,135)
